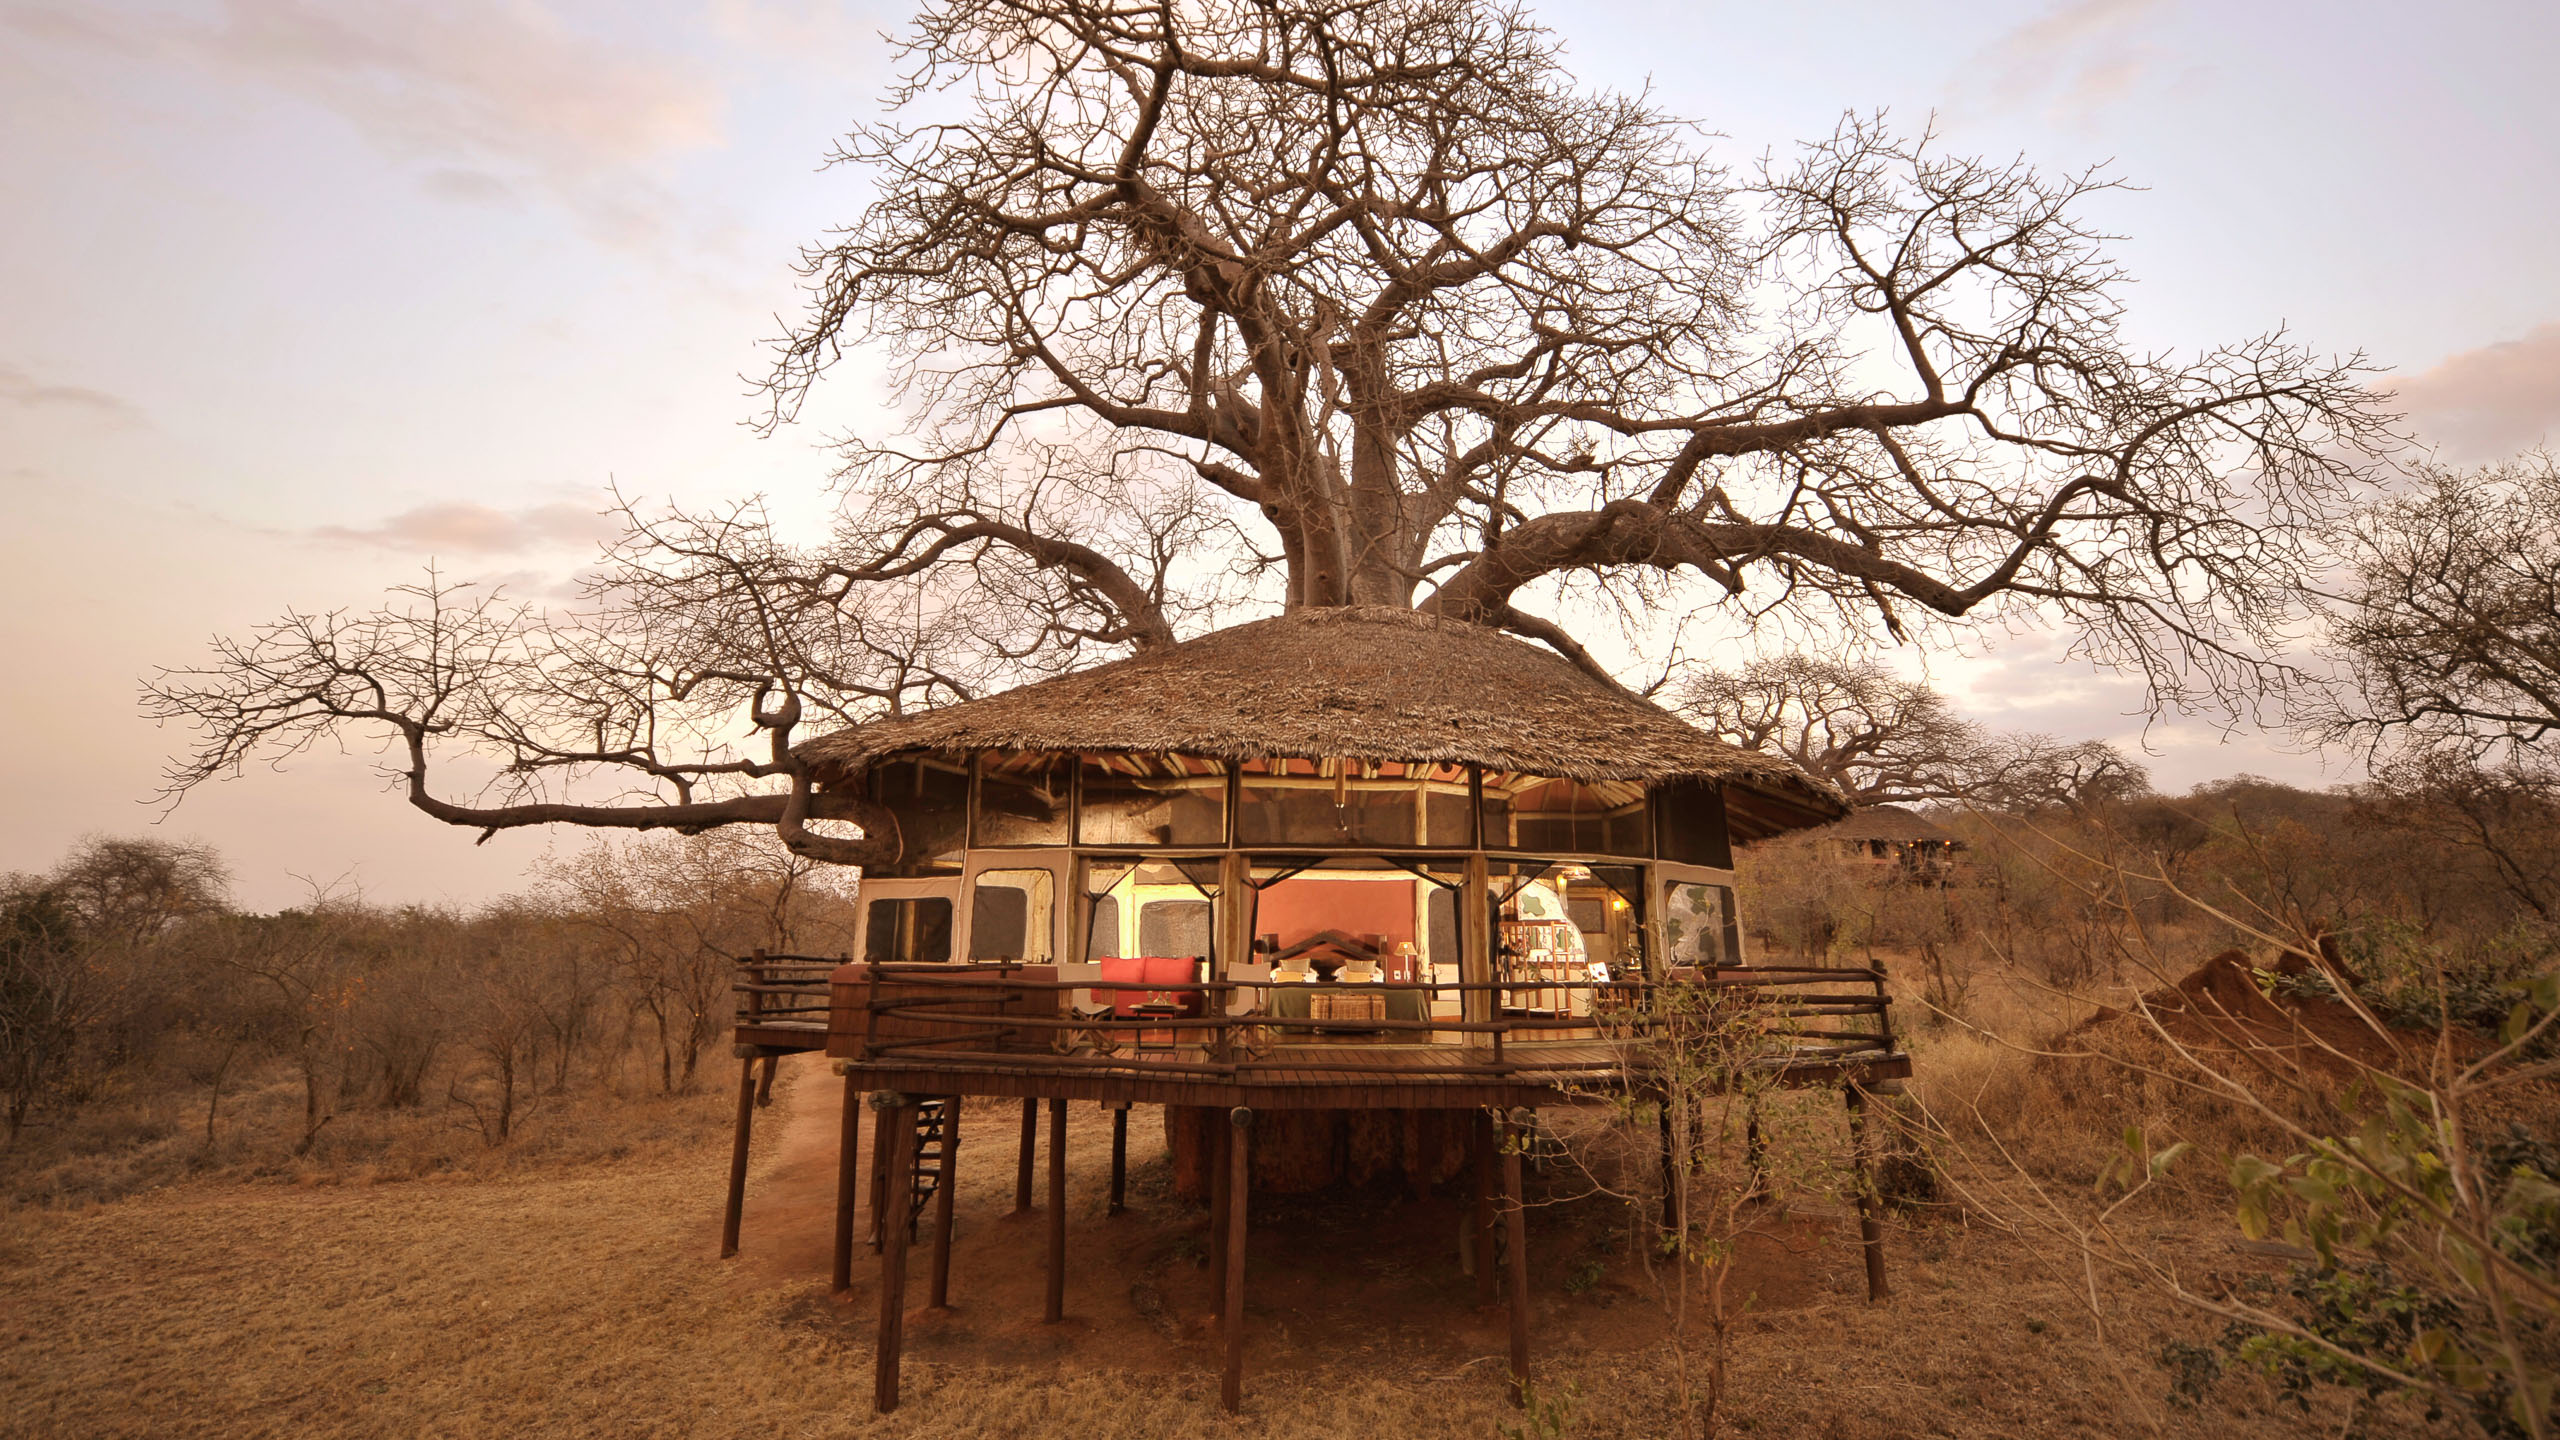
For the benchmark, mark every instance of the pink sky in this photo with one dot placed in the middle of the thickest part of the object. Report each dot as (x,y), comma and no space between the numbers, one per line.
(300,295)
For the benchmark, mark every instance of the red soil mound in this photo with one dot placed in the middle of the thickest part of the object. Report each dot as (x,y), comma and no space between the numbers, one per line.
(2219,1006)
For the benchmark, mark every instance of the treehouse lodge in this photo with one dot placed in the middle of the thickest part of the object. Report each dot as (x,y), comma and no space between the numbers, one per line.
(1343,873)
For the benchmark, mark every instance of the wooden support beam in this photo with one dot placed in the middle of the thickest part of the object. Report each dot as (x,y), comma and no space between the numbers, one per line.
(1231,1306)
(1022,1161)
(764,1085)
(1483,1249)
(1119,1157)
(945,1177)
(1515,1221)
(848,1177)
(898,1122)
(883,1146)
(1221,1195)
(1870,1205)
(730,1217)
(1057,1307)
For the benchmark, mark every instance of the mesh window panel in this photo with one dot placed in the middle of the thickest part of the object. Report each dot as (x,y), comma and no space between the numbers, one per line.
(1022,798)
(1152,800)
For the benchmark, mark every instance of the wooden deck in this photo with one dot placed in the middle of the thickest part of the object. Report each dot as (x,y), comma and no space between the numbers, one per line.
(958,1030)
(1329,1077)
(910,1041)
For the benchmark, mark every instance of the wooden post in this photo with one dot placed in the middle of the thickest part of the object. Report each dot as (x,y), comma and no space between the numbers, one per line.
(1022,1162)
(1515,1222)
(1057,1309)
(1475,942)
(944,1179)
(1120,1158)
(764,1086)
(1484,1249)
(898,1121)
(1870,1206)
(883,1144)
(1221,1197)
(1231,1307)
(848,1171)
(738,1157)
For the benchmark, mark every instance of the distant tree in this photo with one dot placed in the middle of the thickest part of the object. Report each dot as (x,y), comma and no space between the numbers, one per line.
(1300,303)
(47,990)
(1880,738)
(2025,772)
(129,890)
(2451,618)
(1886,740)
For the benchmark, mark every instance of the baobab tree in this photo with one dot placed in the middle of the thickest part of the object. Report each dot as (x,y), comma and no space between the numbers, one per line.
(1201,308)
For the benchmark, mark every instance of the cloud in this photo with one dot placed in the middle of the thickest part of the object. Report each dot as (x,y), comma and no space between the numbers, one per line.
(486,91)
(470,187)
(2077,59)
(461,528)
(2491,402)
(26,392)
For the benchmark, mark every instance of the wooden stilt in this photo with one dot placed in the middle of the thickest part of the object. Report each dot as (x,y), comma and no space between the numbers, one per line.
(764,1085)
(944,1178)
(1119,1159)
(848,1176)
(882,1144)
(738,1158)
(1221,1198)
(1022,1162)
(1485,1163)
(1057,1309)
(1515,1222)
(1231,1308)
(897,1121)
(1870,1206)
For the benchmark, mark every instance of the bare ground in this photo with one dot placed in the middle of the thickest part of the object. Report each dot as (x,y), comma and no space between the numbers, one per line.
(586,1301)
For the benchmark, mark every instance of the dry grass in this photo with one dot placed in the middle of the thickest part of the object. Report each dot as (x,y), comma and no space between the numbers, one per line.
(582,1299)
(155,1135)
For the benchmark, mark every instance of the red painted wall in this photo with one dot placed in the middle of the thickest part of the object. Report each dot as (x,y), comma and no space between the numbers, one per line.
(1296,909)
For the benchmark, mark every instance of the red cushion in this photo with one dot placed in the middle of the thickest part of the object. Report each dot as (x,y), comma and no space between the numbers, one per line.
(1150,980)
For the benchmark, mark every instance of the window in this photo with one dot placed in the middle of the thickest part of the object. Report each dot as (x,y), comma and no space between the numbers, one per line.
(1022,797)
(1150,907)
(1689,824)
(1698,925)
(911,930)
(1353,802)
(1011,915)
(1553,816)
(1152,800)
(1175,927)
(931,801)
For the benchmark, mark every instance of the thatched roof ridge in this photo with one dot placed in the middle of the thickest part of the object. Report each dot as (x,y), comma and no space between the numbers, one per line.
(1368,683)
(1888,822)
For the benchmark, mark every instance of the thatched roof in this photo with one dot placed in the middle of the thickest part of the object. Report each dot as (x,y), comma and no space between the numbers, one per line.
(1367,683)
(1888,822)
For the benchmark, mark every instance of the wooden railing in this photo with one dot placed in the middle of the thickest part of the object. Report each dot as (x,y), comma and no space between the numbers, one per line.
(785,988)
(970,1016)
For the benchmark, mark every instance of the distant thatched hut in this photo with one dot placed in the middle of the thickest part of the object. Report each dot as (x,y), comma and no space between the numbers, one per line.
(1899,837)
